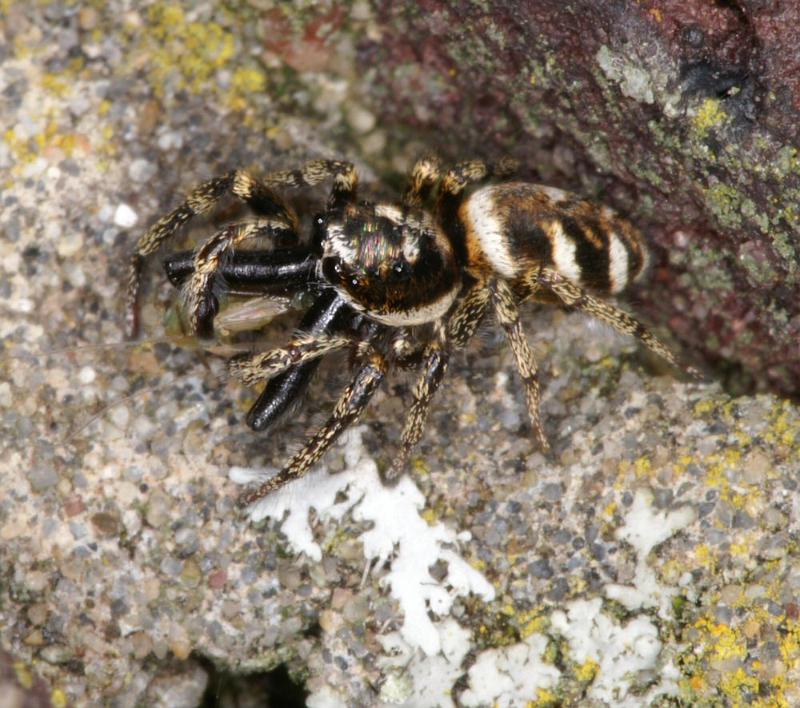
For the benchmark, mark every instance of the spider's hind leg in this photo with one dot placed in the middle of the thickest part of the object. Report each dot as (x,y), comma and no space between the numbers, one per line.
(424,175)
(505,307)
(575,296)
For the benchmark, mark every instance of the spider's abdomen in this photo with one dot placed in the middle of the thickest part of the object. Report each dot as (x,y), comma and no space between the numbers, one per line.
(517,226)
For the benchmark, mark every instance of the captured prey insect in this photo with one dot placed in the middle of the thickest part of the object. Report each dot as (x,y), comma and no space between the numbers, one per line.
(398,284)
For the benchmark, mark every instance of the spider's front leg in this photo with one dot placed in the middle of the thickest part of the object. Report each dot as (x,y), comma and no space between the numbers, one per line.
(328,314)
(260,196)
(200,201)
(349,408)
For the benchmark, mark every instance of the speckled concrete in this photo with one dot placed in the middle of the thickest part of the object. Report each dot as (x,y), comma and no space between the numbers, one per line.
(667,511)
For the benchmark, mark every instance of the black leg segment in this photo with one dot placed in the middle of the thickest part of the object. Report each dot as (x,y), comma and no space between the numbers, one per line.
(328,314)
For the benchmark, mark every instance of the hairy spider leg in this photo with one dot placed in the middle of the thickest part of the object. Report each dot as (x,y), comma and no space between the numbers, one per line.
(329,313)
(575,296)
(287,269)
(303,347)
(427,171)
(201,200)
(456,331)
(257,193)
(505,307)
(345,179)
(199,302)
(349,408)
(434,367)
(424,175)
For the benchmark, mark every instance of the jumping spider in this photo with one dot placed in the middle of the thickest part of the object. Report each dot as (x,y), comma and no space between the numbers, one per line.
(398,284)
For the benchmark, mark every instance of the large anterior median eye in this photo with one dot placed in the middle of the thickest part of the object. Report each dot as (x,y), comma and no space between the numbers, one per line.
(332,270)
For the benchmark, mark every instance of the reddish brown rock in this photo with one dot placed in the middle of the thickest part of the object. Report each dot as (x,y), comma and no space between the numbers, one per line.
(684,115)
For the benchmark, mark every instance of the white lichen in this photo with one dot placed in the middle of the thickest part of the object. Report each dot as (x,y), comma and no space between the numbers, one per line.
(510,676)
(644,529)
(398,535)
(620,651)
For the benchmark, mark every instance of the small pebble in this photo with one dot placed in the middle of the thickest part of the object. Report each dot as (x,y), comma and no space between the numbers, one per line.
(124,216)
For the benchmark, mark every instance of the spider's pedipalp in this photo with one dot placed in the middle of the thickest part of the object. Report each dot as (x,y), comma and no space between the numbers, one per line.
(349,408)
(505,308)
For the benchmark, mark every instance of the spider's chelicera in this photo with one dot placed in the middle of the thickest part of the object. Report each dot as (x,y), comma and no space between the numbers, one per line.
(399,284)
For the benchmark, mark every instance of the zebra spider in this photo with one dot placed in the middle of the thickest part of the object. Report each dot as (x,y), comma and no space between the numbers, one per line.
(399,284)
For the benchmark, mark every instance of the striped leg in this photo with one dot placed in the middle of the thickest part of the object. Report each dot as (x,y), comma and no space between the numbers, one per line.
(469,313)
(433,370)
(574,296)
(200,201)
(471,171)
(348,409)
(258,194)
(199,301)
(463,174)
(255,368)
(421,180)
(505,307)
(457,331)
(345,179)
(329,314)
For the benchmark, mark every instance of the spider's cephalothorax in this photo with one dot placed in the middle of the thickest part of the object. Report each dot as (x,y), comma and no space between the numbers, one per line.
(395,265)
(398,284)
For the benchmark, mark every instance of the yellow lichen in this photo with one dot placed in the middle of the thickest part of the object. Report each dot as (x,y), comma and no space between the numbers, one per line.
(703,407)
(544,699)
(430,516)
(586,672)
(723,640)
(58,698)
(57,85)
(642,467)
(23,675)
(738,686)
(790,646)
(704,556)
(189,52)
(709,115)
